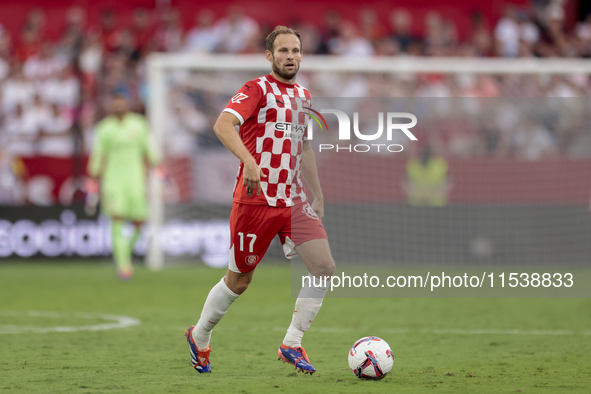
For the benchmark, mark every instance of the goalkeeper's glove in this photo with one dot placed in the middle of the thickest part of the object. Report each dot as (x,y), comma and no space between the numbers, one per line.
(161,172)
(91,187)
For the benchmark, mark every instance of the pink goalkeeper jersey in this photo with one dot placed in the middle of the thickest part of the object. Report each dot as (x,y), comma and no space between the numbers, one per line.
(272,127)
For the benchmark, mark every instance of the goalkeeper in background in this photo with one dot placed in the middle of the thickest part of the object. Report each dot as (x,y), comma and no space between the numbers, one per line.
(118,162)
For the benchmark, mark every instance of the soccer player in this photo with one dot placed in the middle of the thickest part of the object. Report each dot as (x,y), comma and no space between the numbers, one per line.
(269,198)
(118,161)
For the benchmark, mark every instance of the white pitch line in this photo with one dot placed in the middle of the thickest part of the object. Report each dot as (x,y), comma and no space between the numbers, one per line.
(116,322)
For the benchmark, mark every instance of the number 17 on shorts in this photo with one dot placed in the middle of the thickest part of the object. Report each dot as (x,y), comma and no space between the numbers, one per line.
(252,228)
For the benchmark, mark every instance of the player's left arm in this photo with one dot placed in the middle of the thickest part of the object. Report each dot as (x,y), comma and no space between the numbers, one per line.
(99,149)
(310,174)
(95,169)
(151,153)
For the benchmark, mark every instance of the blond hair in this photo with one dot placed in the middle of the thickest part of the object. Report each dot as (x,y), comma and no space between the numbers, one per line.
(270,41)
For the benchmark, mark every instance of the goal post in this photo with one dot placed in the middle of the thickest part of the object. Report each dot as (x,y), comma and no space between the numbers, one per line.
(159,62)
(156,116)
(163,70)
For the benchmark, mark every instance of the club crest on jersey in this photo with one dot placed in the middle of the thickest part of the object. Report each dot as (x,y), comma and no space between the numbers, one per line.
(309,212)
(238,97)
(251,259)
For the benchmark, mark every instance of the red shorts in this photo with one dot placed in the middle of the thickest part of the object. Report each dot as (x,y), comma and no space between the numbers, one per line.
(253,227)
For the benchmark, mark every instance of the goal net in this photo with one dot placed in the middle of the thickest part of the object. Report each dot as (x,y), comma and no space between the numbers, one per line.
(498,173)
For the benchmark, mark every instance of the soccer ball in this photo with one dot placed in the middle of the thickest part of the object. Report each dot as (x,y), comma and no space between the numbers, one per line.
(371,358)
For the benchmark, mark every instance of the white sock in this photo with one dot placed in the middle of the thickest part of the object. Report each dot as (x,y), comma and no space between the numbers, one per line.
(306,308)
(216,305)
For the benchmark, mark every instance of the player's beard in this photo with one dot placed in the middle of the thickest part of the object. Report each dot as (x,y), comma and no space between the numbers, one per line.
(284,74)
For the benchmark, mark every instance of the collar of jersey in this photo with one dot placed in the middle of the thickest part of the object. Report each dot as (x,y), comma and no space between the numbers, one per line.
(115,118)
(272,79)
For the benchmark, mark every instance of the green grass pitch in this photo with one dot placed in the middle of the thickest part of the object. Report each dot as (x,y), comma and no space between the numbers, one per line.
(437,345)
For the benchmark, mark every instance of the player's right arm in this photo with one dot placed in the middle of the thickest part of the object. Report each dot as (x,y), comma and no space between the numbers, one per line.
(95,170)
(225,129)
(99,149)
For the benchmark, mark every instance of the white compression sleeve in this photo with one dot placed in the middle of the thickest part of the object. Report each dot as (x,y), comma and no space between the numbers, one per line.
(216,305)
(306,308)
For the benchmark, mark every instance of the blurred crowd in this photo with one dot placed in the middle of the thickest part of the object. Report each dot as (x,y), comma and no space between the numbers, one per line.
(41,84)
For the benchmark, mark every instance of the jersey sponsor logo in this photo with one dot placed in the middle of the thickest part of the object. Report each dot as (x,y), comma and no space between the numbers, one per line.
(251,259)
(309,212)
(298,128)
(279,102)
(290,130)
(238,97)
(247,86)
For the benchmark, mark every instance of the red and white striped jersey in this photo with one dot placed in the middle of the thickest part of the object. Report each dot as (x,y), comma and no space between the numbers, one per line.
(272,127)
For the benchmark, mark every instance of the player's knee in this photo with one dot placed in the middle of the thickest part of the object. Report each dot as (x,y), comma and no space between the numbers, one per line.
(323,267)
(239,287)
(239,283)
(329,267)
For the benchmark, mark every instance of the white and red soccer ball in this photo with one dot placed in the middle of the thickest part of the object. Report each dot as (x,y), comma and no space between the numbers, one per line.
(371,358)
